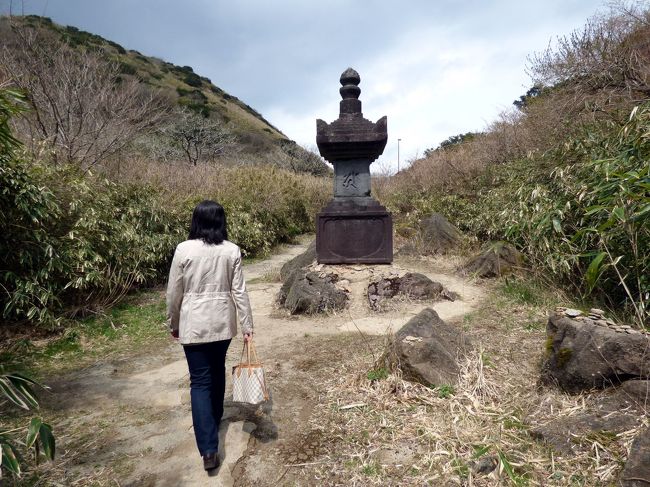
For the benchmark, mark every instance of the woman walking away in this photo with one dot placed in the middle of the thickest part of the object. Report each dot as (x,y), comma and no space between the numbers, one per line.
(205,296)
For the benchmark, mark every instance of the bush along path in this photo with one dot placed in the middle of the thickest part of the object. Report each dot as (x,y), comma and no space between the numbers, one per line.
(342,411)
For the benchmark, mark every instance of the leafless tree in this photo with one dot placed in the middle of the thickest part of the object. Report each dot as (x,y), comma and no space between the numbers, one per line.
(609,56)
(198,138)
(80,107)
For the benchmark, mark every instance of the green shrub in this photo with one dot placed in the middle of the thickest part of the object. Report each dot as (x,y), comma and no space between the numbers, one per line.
(588,219)
(192,79)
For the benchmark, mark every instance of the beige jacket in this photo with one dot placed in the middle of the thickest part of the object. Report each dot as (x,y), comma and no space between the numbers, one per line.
(206,293)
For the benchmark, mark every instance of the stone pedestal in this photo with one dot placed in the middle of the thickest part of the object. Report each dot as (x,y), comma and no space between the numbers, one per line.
(353,228)
(350,232)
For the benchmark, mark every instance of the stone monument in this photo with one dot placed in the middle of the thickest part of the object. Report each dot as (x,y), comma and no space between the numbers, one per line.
(353,228)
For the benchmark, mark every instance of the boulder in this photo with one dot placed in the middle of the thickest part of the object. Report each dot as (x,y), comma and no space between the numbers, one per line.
(637,468)
(412,285)
(427,349)
(584,353)
(299,262)
(308,293)
(419,286)
(496,259)
(438,235)
(381,290)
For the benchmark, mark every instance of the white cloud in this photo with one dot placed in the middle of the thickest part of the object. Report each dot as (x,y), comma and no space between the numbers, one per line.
(435,68)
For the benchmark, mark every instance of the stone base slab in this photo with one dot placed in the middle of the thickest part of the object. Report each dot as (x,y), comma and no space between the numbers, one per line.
(349,232)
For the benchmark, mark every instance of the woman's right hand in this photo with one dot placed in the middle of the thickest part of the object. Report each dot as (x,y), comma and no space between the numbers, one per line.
(248,337)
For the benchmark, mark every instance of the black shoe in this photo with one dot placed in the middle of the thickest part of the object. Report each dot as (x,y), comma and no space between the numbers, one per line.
(211,461)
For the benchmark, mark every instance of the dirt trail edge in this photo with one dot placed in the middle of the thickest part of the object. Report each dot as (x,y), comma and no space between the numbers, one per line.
(142,410)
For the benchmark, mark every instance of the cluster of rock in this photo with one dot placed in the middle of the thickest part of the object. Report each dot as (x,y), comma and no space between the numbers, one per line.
(412,285)
(589,351)
(307,292)
(436,235)
(597,317)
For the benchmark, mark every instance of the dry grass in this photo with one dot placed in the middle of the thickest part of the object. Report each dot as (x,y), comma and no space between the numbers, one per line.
(180,181)
(394,432)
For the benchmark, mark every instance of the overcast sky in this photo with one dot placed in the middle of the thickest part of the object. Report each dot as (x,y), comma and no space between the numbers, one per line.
(436,68)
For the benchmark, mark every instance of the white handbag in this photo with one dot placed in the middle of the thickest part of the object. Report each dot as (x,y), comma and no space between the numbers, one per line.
(248,382)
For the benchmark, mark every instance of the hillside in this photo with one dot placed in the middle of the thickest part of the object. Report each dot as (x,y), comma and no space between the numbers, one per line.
(180,86)
(563,175)
(187,87)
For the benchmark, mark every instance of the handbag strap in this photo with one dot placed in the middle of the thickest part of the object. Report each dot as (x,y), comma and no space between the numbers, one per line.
(250,351)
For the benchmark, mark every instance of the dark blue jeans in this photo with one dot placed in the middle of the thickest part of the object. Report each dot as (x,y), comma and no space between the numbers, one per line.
(207,364)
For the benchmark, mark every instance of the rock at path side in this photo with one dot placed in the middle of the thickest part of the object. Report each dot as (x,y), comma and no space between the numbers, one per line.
(381,290)
(637,468)
(418,286)
(413,285)
(299,262)
(496,259)
(308,293)
(606,414)
(427,349)
(582,355)
(438,235)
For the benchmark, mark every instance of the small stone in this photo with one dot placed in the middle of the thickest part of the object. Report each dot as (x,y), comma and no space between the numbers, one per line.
(610,322)
(597,311)
(572,313)
(485,465)
(630,332)
(595,317)
(601,322)
(626,327)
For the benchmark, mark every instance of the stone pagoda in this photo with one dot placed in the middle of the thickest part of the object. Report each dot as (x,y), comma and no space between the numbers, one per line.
(353,228)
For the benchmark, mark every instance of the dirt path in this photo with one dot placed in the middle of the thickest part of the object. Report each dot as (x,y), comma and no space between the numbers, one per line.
(141,406)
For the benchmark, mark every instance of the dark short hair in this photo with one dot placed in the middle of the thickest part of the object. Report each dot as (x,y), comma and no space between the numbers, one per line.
(209,223)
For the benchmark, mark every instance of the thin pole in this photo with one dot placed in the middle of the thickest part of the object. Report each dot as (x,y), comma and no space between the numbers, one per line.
(398,141)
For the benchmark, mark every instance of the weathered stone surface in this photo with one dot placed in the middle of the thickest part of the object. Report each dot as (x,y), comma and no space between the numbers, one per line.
(354,231)
(637,468)
(438,235)
(638,391)
(606,413)
(582,355)
(495,260)
(351,136)
(419,286)
(413,285)
(299,262)
(381,290)
(427,349)
(308,293)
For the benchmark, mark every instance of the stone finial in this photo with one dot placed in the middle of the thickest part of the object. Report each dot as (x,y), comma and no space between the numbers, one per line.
(350,91)
(351,136)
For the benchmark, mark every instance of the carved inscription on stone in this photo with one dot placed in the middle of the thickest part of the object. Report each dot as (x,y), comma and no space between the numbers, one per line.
(352,178)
